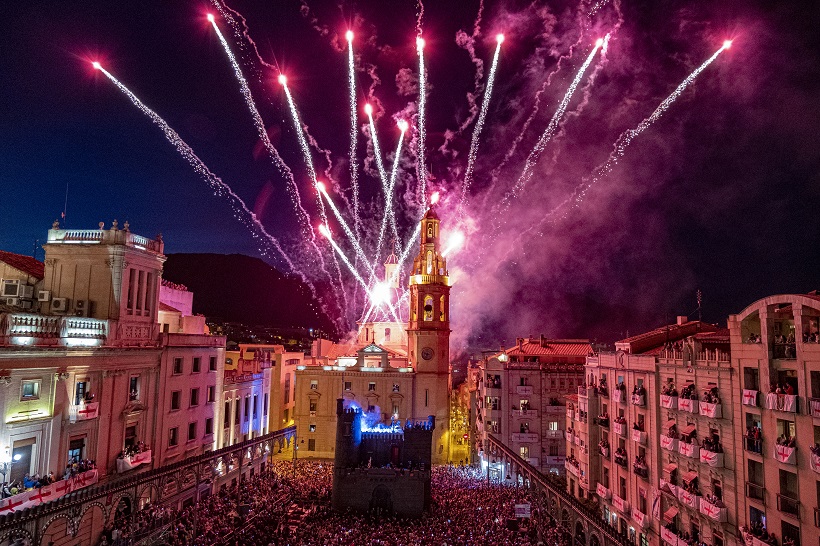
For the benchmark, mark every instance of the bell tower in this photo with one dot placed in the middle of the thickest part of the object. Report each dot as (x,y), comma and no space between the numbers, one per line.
(428,333)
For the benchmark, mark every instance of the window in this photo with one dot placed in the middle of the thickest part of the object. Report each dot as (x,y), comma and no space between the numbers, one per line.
(227,418)
(265,405)
(195,365)
(314,384)
(236,412)
(247,408)
(426,397)
(371,386)
(750,379)
(428,308)
(441,315)
(194,397)
(173,436)
(396,387)
(134,388)
(525,452)
(80,390)
(191,431)
(395,410)
(348,385)
(212,364)
(211,394)
(287,389)
(313,406)
(209,426)
(178,365)
(311,444)
(255,406)
(75,449)
(176,396)
(387,335)
(131,435)
(554,450)
(311,428)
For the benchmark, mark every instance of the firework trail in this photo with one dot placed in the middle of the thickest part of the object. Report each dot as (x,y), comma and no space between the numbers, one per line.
(388,195)
(356,247)
(419,16)
(596,7)
(421,167)
(535,154)
(368,109)
(400,262)
(241,211)
(293,190)
(468,173)
(354,131)
(628,136)
(326,232)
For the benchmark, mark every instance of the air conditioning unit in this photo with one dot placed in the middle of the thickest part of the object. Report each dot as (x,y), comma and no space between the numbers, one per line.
(10,288)
(59,305)
(81,308)
(43,295)
(25,291)
(14,302)
(25,304)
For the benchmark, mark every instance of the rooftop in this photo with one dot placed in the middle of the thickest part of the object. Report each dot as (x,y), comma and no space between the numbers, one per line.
(550,347)
(649,341)
(26,264)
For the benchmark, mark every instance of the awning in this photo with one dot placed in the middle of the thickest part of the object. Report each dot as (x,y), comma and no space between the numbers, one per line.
(671,423)
(670,514)
(689,476)
(671,467)
(688,429)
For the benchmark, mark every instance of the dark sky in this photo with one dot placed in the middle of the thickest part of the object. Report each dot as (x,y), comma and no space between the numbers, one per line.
(721,194)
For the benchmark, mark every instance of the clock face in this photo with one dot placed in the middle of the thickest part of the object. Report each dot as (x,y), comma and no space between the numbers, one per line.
(427,353)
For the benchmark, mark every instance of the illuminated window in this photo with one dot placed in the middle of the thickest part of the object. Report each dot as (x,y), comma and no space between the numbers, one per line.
(441,316)
(311,428)
(430,230)
(173,435)
(30,390)
(428,308)
(525,452)
(314,384)
(387,335)
(429,262)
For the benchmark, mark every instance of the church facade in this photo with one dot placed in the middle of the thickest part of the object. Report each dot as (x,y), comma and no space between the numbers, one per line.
(392,370)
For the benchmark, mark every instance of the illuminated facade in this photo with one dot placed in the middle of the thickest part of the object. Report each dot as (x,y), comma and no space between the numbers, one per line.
(520,399)
(392,369)
(87,370)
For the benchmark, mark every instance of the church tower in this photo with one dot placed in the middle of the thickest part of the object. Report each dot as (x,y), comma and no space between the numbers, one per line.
(428,334)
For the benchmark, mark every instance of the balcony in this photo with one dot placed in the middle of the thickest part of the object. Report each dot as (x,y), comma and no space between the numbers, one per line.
(84,411)
(641,470)
(669,402)
(620,504)
(711,458)
(604,451)
(814,407)
(130,462)
(639,436)
(814,461)
(713,511)
(554,434)
(619,396)
(54,491)
(711,410)
(784,351)
(689,450)
(785,454)
(668,443)
(524,437)
(27,329)
(639,400)
(554,460)
(788,505)
(669,537)
(603,421)
(641,519)
(692,500)
(756,492)
(603,492)
(529,413)
(749,397)
(524,390)
(552,410)
(687,404)
(619,428)
(781,402)
(572,468)
(753,446)
(620,459)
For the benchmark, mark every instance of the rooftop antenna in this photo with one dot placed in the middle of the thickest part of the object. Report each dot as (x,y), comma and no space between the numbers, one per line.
(700,301)
(65,205)
(34,250)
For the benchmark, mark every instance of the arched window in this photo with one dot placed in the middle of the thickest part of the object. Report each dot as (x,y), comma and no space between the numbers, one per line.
(428,308)
(429,262)
(442,316)
(387,335)
(430,230)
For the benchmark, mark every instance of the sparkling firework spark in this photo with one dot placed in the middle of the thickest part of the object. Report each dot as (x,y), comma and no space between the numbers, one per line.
(421,166)
(482,116)
(354,130)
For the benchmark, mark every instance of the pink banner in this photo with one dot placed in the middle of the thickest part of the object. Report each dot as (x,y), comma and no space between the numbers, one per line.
(27,499)
(712,459)
(670,402)
(749,398)
(685,404)
(688,450)
(711,410)
(129,463)
(669,443)
(603,492)
(669,537)
(785,454)
(712,511)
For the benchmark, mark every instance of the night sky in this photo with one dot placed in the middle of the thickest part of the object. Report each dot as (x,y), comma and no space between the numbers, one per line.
(721,194)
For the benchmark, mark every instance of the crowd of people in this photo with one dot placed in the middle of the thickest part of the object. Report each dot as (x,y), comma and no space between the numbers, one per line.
(669,390)
(130,451)
(712,444)
(786,440)
(36,481)
(781,388)
(759,531)
(689,392)
(290,504)
(711,396)
(754,438)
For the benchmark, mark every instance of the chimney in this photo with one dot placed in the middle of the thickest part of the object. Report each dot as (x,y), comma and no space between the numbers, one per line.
(682,319)
(543,340)
(520,342)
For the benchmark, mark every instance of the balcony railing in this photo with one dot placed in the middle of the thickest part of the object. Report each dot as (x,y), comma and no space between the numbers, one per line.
(554,434)
(753,446)
(27,329)
(788,505)
(756,492)
(526,437)
(531,413)
(785,454)
(642,471)
(782,402)
(711,458)
(525,390)
(54,491)
(814,407)
(83,411)
(713,511)
(620,460)
(784,351)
